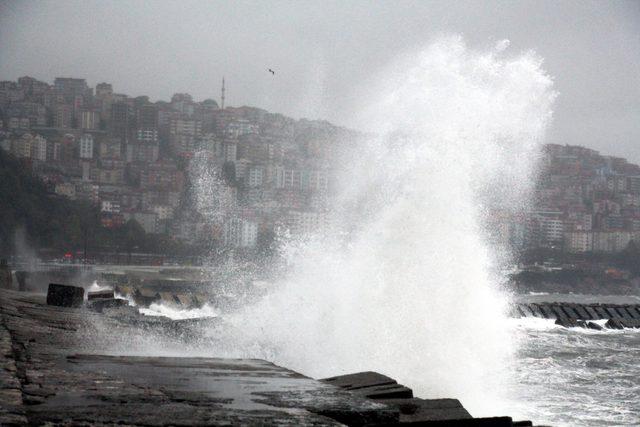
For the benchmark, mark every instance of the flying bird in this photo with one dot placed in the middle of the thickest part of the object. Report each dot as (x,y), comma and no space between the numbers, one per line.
(272,72)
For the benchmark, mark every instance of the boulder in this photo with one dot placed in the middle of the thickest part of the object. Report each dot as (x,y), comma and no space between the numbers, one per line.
(65,295)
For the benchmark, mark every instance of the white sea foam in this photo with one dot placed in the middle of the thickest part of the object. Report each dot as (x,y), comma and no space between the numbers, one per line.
(176,313)
(95,287)
(404,284)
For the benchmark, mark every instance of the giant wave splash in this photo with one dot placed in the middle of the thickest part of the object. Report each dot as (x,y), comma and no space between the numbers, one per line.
(402,282)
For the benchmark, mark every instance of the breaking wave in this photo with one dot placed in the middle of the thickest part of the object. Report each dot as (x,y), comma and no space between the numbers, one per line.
(404,282)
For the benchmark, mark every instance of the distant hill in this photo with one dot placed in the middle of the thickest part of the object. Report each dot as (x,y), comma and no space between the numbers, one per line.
(59,224)
(48,220)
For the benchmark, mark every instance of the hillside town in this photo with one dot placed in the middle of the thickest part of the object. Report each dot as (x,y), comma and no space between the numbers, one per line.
(134,159)
(584,202)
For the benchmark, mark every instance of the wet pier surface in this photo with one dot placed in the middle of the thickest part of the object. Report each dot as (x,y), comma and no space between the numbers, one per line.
(48,378)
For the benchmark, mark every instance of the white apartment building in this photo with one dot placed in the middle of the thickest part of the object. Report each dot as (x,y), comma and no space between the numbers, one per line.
(163,211)
(39,148)
(288,178)
(22,147)
(305,223)
(86,146)
(240,233)
(147,135)
(255,176)
(578,241)
(110,206)
(89,120)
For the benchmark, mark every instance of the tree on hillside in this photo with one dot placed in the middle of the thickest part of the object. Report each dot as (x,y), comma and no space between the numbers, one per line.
(629,258)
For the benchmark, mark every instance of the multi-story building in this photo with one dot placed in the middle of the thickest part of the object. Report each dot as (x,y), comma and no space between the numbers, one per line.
(147,117)
(110,206)
(110,148)
(22,146)
(184,135)
(62,116)
(39,148)
(104,90)
(89,120)
(70,88)
(306,222)
(240,232)
(120,121)
(86,146)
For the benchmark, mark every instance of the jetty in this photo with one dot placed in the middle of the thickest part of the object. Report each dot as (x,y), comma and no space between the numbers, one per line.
(59,368)
(617,316)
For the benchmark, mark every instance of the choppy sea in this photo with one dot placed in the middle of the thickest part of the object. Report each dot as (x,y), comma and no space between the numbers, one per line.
(576,377)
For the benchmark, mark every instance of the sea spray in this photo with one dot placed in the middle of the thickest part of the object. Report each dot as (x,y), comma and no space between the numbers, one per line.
(402,283)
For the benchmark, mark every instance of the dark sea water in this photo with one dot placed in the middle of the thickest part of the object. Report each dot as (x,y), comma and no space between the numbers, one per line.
(577,377)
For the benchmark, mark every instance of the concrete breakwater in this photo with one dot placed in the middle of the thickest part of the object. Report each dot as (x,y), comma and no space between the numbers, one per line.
(57,368)
(617,316)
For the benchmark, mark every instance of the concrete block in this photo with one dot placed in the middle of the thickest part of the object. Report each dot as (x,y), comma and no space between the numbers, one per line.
(613,324)
(602,313)
(536,310)
(559,313)
(547,312)
(594,326)
(420,410)
(360,380)
(392,391)
(100,304)
(108,294)
(633,313)
(566,322)
(570,312)
(630,323)
(612,312)
(526,310)
(64,295)
(582,313)
(589,309)
(21,278)
(623,313)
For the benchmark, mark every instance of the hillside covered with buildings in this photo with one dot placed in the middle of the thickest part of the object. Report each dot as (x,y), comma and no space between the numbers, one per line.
(584,202)
(132,159)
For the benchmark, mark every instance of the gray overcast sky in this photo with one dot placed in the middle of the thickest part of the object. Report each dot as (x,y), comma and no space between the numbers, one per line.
(322,51)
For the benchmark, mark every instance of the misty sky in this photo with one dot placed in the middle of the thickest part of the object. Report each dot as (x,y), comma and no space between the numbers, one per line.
(323,51)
